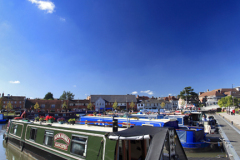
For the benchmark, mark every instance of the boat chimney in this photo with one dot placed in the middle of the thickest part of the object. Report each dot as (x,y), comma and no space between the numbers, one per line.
(115,125)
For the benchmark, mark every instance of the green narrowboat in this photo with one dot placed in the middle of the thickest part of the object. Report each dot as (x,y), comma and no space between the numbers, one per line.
(90,142)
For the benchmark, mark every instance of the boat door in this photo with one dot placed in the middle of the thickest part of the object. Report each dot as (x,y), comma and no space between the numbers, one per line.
(131,149)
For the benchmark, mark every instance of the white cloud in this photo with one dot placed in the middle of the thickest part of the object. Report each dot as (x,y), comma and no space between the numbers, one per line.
(74,85)
(134,92)
(62,19)
(147,91)
(170,94)
(44,5)
(15,82)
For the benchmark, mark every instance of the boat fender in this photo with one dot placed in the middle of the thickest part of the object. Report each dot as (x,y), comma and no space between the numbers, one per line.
(6,139)
(21,146)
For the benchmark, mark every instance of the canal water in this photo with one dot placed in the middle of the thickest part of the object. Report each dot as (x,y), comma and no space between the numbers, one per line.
(8,152)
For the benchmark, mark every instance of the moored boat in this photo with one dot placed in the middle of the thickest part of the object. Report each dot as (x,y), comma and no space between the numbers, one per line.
(64,141)
(2,120)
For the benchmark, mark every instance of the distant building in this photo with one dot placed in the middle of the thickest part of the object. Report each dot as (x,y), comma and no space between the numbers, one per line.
(105,102)
(78,104)
(46,105)
(173,100)
(212,97)
(17,102)
(154,104)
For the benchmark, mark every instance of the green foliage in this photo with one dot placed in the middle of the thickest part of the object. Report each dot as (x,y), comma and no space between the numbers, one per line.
(37,118)
(49,96)
(183,102)
(114,105)
(67,96)
(188,94)
(36,106)
(227,101)
(162,104)
(132,105)
(89,106)
(71,120)
(64,106)
(9,107)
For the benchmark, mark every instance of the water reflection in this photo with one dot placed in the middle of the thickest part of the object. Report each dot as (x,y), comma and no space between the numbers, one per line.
(8,152)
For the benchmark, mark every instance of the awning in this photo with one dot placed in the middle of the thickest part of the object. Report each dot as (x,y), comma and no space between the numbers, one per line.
(129,138)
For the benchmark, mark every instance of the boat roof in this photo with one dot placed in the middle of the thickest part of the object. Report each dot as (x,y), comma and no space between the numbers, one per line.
(75,126)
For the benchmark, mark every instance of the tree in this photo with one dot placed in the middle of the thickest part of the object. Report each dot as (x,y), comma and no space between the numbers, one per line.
(67,96)
(64,106)
(188,95)
(49,96)
(36,106)
(114,106)
(162,104)
(89,106)
(8,107)
(220,102)
(132,105)
(1,104)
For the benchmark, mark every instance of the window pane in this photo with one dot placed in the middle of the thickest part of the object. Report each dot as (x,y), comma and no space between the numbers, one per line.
(78,149)
(81,139)
(33,134)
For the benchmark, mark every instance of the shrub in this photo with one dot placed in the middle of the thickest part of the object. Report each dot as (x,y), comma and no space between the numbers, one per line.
(71,119)
(41,118)
(61,119)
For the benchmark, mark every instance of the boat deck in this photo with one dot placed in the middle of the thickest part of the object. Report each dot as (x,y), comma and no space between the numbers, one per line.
(230,135)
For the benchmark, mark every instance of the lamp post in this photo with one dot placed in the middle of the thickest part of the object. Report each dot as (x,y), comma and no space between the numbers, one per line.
(232,95)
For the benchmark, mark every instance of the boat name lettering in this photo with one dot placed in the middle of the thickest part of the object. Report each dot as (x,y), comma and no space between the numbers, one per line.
(63,137)
(61,146)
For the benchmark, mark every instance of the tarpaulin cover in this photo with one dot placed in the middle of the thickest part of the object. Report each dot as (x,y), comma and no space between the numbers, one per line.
(182,136)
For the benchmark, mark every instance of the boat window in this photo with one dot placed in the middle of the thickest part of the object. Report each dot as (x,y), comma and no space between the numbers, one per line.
(79,145)
(48,138)
(33,134)
(15,129)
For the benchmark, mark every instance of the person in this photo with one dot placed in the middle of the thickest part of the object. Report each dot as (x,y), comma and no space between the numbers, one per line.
(233,111)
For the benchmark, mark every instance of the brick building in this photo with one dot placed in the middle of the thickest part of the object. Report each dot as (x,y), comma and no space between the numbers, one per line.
(17,102)
(105,102)
(46,105)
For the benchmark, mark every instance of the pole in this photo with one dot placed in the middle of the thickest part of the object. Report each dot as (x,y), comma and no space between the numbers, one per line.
(186,96)
(232,96)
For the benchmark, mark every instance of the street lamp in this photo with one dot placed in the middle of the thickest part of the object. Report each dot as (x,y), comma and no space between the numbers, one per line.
(232,96)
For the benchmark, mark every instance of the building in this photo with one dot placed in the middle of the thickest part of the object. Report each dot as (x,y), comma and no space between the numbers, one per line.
(17,102)
(78,104)
(212,97)
(173,100)
(154,104)
(105,102)
(46,105)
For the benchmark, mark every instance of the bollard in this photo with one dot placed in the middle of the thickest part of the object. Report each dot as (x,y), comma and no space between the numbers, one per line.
(115,125)
(232,122)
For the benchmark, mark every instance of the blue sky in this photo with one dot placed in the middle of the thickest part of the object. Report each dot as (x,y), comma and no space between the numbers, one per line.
(118,47)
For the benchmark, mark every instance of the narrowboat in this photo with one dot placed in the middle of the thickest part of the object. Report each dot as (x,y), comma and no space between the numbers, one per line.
(98,120)
(91,142)
(193,138)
